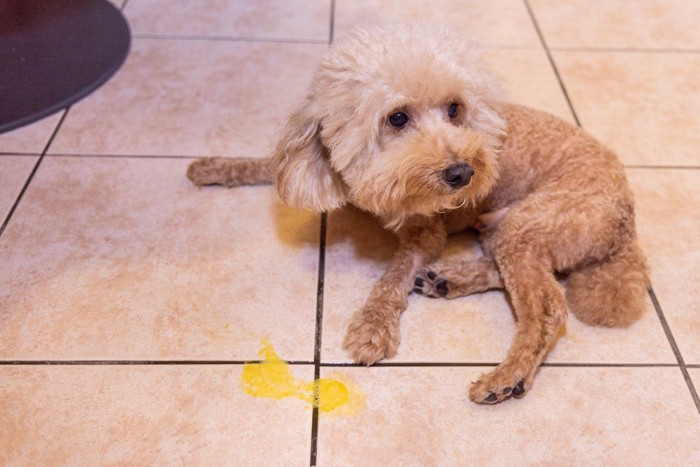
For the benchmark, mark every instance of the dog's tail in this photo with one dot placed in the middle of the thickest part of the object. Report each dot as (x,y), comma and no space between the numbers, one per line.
(613,292)
(230,172)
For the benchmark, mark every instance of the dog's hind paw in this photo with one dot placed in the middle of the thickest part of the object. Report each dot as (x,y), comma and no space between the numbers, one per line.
(430,284)
(207,171)
(457,278)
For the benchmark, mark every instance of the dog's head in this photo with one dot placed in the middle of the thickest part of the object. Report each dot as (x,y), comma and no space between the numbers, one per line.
(399,121)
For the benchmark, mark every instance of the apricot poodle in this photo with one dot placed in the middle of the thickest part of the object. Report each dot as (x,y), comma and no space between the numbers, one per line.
(404,122)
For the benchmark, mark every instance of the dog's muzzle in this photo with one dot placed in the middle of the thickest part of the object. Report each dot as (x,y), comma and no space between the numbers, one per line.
(458,175)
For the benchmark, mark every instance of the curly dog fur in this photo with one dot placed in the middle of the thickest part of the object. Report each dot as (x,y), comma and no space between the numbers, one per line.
(404,122)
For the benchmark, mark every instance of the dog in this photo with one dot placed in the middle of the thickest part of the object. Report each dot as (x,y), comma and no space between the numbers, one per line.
(404,122)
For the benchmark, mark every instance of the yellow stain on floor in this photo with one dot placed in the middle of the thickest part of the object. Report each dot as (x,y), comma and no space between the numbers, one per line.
(272,379)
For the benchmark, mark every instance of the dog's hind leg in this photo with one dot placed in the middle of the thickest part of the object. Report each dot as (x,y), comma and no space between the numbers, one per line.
(452,279)
(230,172)
(612,292)
(540,307)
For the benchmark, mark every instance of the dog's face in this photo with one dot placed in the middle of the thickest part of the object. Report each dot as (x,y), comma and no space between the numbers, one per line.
(399,121)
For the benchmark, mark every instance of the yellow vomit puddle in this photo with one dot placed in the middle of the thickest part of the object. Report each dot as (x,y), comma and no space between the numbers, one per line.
(272,379)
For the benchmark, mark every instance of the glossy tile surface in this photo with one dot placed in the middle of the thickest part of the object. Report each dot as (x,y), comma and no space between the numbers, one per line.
(14,172)
(643,105)
(156,415)
(192,98)
(695,376)
(111,258)
(529,80)
(132,303)
(401,426)
(668,220)
(302,20)
(30,139)
(499,22)
(648,24)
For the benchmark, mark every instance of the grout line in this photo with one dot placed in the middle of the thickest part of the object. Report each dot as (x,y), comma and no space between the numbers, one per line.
(666,167)
(318,334)
(676,350)
(407,364)
(143,156)
(551,62)
(320,287)
(625,50)
(493,364)
(197,156)
(323,365)
(33,172)
(139,362)
(609,365)
(331,32)
(264,40)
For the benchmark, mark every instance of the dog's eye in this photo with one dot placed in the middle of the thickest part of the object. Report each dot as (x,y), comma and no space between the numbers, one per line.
(398,120)
(453,110)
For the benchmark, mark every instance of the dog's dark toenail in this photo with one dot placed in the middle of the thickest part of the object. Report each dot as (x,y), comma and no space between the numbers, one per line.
(419,282)
(441,287)
(491,397)
(507,390)
(431,275)
(417,290)
(519,388)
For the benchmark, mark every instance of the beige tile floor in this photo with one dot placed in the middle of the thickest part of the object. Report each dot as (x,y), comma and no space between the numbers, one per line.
(130,300)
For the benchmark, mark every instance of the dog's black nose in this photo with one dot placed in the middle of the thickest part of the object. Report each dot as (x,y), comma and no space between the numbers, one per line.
(458,175)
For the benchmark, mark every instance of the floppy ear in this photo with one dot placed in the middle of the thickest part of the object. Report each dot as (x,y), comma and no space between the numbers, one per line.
(300,164)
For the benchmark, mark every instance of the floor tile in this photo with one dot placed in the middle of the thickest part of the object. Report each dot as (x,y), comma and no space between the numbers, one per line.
(262,19)
(145,415)
(668,220)
(30,139)
(195,98)
(120,258)
(529,79)
(496,22)
(597,23)
(478,328)
(695,377)
(643,105)
(14,171)
(124,259)
(421,416)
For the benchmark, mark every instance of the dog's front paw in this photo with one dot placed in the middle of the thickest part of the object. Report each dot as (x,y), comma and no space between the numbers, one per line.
(431,284)
(499,385)
(372,335)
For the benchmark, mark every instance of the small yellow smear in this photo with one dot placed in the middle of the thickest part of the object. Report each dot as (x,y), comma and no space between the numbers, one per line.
(272,379)
(328,394)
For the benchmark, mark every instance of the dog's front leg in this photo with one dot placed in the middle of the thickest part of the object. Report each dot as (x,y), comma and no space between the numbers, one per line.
(373,333)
